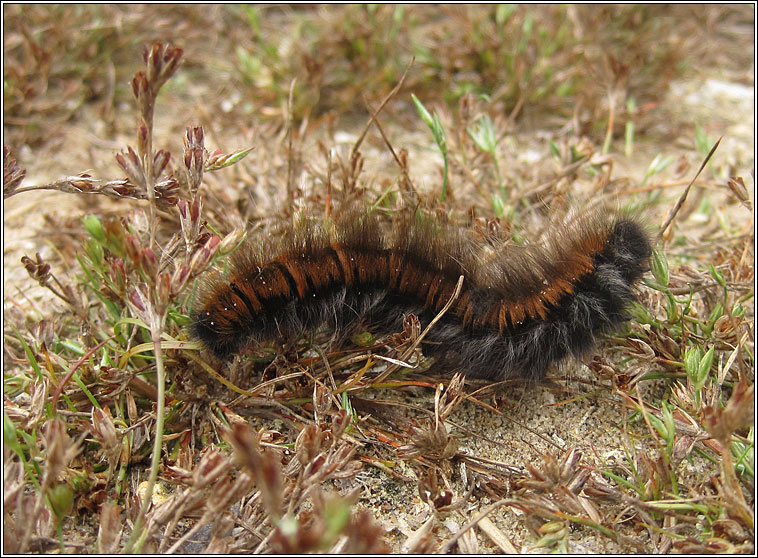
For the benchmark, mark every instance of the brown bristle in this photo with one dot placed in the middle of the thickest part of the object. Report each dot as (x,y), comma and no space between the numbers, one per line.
(346,264)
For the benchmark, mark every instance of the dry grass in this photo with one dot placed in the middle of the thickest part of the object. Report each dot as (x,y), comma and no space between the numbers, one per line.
(121,435)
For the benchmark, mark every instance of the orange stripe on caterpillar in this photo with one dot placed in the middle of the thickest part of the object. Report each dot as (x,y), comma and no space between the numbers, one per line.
(520,309)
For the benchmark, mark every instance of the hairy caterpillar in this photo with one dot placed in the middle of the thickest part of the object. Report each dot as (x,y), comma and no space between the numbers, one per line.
(520,309)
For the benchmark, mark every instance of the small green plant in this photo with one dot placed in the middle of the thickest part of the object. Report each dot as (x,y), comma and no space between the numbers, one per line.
(485,138)
(657,166)
(440,138)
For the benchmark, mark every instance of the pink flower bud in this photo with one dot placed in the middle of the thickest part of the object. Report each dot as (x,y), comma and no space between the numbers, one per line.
(138,300)
(160,162)
(203,257)
(141,140)
(162,292)
(179,279)
(149,262)
(198,160)
(154,61)
(139,85)
(195,207)
(132,248)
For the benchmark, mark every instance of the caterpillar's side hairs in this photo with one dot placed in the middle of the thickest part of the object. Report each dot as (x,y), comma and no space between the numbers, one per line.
(520,309)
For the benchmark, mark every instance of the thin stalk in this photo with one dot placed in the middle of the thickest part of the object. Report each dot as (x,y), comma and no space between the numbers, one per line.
(155,331)
(498,176)
(61,542)
(444,179)
(611,120)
